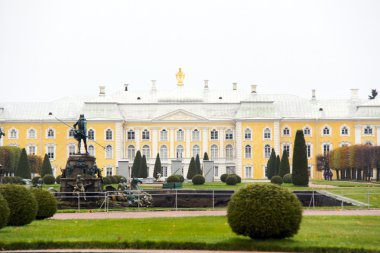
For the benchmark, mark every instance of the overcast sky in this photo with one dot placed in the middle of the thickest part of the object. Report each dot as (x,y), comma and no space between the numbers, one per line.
(52,49)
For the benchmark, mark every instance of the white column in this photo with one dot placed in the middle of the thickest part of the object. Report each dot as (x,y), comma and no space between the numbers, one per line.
(276,136)
(204,142)
(221,143)
(358,134)
(137,139)
(187,138)
(171,139)
(118,141)
(154,142)
(378,135)
(239,163)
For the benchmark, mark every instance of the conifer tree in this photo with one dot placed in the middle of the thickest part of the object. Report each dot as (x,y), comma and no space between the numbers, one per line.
(157,167)
(192,171)
(136,165)
(46,166)
(205,157)
(284,164)
(23,168)
(277,166)
(143,168)
(271,164)
(198,165)
(300,175)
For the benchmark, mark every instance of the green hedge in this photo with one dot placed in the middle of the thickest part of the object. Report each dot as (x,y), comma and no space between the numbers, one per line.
(4,212)
(47,204)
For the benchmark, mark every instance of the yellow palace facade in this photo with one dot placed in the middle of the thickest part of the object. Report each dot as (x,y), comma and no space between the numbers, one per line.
(237,129)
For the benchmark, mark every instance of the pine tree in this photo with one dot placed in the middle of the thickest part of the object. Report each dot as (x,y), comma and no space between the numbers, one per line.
(277,166)
(136,167)
(271,164)
(205,157)
(46,166)
(284,164)
(198,165)
(23,168)
(300,169)
(143,168)
(157,167)
(192,171)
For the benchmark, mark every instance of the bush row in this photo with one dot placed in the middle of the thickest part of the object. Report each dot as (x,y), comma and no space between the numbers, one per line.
(230,179)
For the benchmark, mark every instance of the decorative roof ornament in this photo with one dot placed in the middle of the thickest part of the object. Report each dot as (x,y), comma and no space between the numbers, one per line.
(180,76)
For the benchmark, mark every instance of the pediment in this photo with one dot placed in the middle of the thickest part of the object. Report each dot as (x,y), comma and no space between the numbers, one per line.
(180,115)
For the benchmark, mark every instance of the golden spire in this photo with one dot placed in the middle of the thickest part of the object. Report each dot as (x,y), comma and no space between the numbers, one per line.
(180,76)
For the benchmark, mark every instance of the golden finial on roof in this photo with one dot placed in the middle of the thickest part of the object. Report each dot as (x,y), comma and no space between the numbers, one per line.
(180,76)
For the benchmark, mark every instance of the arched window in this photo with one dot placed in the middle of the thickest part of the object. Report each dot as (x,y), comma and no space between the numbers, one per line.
(131,152)
(50,133)
(286,147)
(247,134)
(145,134)
(91,150)
(71,133)
(32,150)
(307,131)
(109,134)
(196,150)
(267,133)
(131,135)
(109,171)
(326,147)
(71,149)
(286,131)
(326,130)
(146,151)
(344,130)
(164,135)
(179,151)
(195,135)
(180,135)
(229,135)
(51,151)
(248,151)
(13,134)
(91,134)
(109,152)
(368,130)
(214,152)
(229,152)
(164,152)
(32,134)
(267,151)
(214,134)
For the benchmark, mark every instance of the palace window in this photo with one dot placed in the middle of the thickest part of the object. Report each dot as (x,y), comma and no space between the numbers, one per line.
(195,135)
(286,147)
(214,134)
(131,135)
(267,151)
(368,130)
(326,148)
(180,135)
(109,152)
(248,172)
(131,152)
(308,150)
(267,133)
(32,134)
(286,131)
(51,151)
(50,133)
(216,171)
(229,152)
(229,135)
(164,171)
(145,135)
(91,134)
(214,152)
(196,151)
(72,149)
(164,152)
(32,150)
(247,134)
(344,130)
(91,150)
(109,171)
(109,134)
(13,134)
(146,151)
(164,135)
(179,151)
(307,131)
(248,151)
(326,130)
(71,133)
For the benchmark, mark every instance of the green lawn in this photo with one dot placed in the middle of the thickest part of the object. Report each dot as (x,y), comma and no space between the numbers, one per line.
(346,183)
(317,234)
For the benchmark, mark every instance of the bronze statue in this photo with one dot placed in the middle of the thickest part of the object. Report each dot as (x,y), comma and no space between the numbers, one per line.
(80,133)
(1,133)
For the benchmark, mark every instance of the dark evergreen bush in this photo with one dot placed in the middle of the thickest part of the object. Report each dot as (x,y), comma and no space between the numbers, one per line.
(12,180)
(157,167)
(300,175)
(47,204)
(58,179)
(205,157)
(22,204)
(198,165)
(198,179)
(4,212)
(35,180)
(231,179)
(181,178)
(288,178)
(270,172)
(238,178)
(144,168)
(284,164)
(46,166)
(48,179)
(23,167)
(264,211)
(223,177)
(173,179)
(192,171)
(136,167)
(113,179)
(276,180)
(117,178)
(107,180)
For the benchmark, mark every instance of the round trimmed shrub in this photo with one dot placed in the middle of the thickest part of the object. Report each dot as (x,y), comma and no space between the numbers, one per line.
(288,178)
(198,179)
(181,178)
(223,177)
(49,179)
(114,180)
(276,180)
(22,204)
(238,178)
(231,179)
(106,180)
(173,179)
(264,211)
(47,204)
(4,212)
(12,180)
(7,180)
(58,179)
(35,180)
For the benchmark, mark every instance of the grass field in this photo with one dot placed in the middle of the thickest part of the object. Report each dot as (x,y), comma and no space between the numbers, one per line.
(317,234)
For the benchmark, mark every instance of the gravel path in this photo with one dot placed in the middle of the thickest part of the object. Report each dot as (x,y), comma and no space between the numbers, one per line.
(161,214)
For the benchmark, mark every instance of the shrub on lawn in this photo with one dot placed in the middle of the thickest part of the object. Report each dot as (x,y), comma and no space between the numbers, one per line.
(106,180)
(276,180)
(288,178)
(223,177)
(22,204)
(114,180)
(58,179)
(4,212)
(198,179)
(48,179)
(12,180)
(35,180)
(264,211)
(238,178)
(47,204)
(232,179)
(181,178)
(173,179)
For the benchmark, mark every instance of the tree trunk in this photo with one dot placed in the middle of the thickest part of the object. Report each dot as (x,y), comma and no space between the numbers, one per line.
(337,174)
(348,173)
(378,171)
(359,174)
